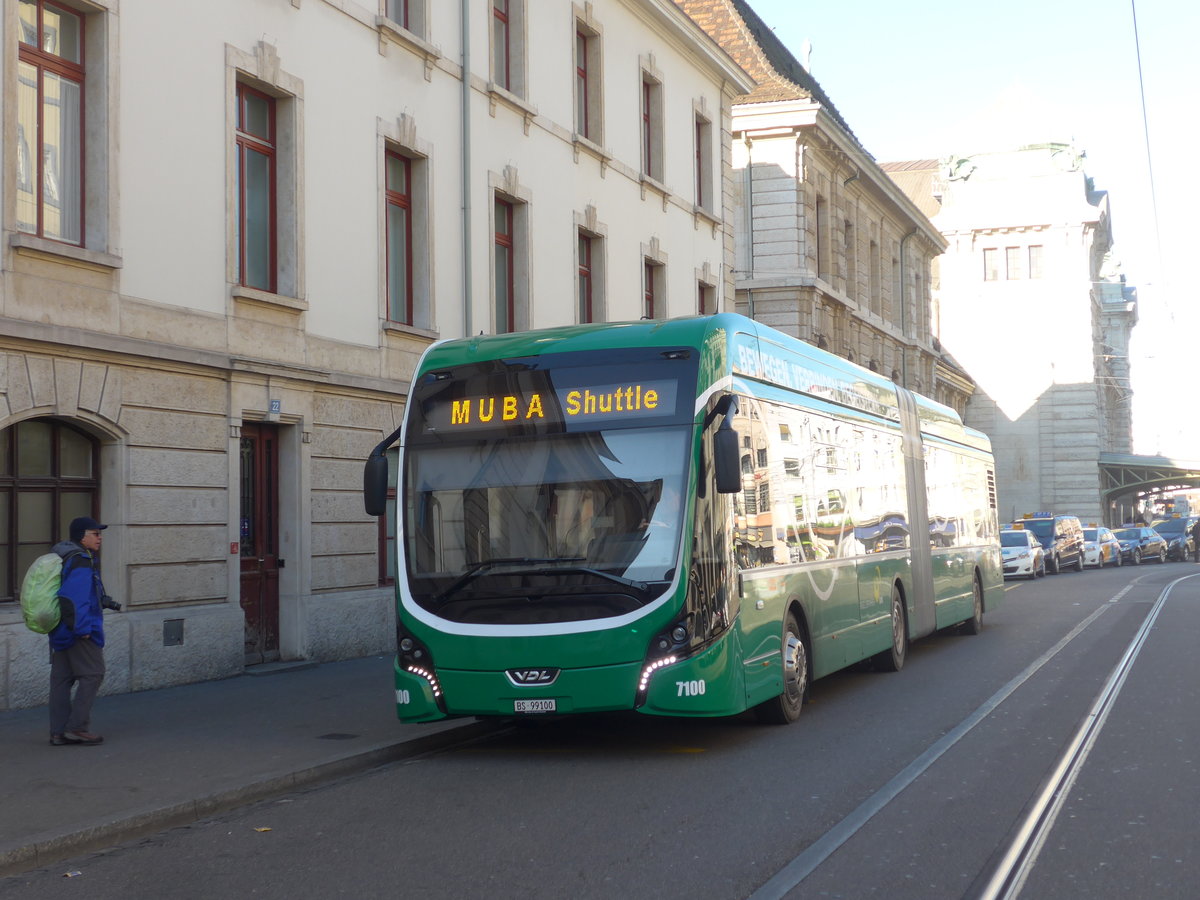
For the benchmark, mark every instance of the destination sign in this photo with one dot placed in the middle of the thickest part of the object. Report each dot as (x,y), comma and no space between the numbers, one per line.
(568,405)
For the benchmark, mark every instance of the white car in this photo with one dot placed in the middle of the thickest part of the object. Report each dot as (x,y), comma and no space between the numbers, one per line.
(1100,548)
(1022,554)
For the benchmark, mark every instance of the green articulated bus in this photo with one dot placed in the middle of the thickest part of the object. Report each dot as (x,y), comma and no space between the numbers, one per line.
(690,517)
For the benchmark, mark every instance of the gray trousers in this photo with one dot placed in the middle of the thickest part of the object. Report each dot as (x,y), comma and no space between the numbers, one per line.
(82,663)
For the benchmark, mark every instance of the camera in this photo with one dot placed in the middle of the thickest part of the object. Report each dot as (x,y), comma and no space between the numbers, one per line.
(109,603)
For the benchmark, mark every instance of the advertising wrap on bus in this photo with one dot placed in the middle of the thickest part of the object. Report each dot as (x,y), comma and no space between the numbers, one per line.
(687,517)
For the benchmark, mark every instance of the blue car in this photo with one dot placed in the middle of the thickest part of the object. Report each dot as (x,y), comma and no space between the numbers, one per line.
(1138,542)
(1178,533)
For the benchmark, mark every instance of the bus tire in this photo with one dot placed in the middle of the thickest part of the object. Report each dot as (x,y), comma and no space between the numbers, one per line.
(974,625)
(892,659)
(785,708)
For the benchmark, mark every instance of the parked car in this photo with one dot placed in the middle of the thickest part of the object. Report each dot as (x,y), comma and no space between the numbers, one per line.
(1178,532)
(1021,554)
(1100,548)
(1140,542)
(1061,538)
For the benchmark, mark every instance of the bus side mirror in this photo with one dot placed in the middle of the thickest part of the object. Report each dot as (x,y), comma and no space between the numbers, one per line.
(375,485)
(726,461)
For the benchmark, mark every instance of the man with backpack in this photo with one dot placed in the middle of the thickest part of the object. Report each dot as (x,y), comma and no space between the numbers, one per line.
(77,642)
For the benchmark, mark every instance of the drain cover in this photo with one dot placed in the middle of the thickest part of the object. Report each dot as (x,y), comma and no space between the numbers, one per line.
(336,736)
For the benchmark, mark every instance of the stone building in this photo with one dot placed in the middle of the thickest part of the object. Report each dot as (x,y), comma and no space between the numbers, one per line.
(231,228)
(829,249)
(1028,300)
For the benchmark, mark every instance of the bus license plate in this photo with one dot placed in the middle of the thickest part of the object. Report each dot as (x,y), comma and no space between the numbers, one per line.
(534,706)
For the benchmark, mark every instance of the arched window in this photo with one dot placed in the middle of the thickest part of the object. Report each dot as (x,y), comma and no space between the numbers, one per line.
(48,476)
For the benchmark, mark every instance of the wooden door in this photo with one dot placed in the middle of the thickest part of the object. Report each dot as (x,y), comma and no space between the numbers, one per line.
(260,541)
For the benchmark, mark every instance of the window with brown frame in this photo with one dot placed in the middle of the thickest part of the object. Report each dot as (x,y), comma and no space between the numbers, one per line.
(652,287)
(652,117)
(704,167)
(397,11)
(505,247)
(706,298)
(501,44)
(410,15)
(398,196)
(49,474)
(581,82)
(50,96)
(589,122)
(585,278)
(256,168)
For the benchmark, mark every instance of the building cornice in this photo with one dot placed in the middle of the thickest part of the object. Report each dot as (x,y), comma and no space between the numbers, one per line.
(673,24)
(799,120)
(21,336)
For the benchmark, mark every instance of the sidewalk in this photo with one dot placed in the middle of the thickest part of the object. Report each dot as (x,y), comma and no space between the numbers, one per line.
(180,754)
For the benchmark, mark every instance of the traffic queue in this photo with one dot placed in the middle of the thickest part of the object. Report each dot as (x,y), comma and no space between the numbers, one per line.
(1043,543)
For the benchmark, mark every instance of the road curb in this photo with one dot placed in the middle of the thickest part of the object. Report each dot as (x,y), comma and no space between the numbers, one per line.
(42,850)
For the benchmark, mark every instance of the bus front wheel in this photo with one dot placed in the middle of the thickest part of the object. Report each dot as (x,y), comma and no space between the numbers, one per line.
(892,660)
(786,707)
(974,625)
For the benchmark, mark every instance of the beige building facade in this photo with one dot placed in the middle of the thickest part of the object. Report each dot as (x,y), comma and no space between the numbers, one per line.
(1031,302)
(229,231)
(829,249)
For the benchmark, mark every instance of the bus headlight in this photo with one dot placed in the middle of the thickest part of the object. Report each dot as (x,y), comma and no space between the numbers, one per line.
(668,646)
(414,657)
(650,670)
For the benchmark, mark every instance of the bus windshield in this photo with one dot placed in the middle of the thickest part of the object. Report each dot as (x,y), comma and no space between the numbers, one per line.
(563,527)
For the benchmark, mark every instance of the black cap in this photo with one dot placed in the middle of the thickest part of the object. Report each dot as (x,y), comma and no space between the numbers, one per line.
(82,525)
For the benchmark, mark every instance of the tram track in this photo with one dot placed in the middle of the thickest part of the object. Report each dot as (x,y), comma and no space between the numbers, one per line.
(791,875)
(1006,879)
(1009,876)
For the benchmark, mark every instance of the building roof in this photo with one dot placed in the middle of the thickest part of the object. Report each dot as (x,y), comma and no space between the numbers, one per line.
(921,180)
(754,46)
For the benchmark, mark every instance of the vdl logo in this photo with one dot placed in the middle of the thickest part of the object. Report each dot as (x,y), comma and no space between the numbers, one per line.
(532,677)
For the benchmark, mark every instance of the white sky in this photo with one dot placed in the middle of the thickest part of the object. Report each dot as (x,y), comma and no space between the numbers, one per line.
(923,81)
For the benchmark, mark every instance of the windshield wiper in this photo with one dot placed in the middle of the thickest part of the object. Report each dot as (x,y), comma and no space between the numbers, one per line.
(475,569)
(619,579)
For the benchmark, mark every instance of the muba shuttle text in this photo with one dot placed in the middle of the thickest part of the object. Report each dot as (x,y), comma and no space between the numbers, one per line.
(576,403)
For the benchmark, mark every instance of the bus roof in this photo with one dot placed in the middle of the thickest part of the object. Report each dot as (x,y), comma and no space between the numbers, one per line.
(734,346)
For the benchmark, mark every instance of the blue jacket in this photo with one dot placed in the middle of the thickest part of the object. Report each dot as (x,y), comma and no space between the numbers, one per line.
(79,596)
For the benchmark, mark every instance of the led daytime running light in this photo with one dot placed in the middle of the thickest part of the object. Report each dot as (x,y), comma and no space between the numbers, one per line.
(434,685)
(652,668)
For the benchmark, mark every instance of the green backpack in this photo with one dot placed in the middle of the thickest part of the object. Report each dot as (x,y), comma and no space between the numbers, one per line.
(39,593)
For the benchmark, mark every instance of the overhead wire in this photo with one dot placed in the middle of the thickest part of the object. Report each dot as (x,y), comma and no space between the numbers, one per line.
(1137,46)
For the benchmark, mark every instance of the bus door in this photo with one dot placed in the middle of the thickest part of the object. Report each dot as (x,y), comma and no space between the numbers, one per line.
(921,609)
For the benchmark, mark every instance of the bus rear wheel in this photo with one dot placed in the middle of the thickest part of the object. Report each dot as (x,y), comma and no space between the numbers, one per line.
(892,660)
(785,708)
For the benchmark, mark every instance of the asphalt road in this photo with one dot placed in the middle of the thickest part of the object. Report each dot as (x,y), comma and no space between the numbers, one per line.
(1054,755)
